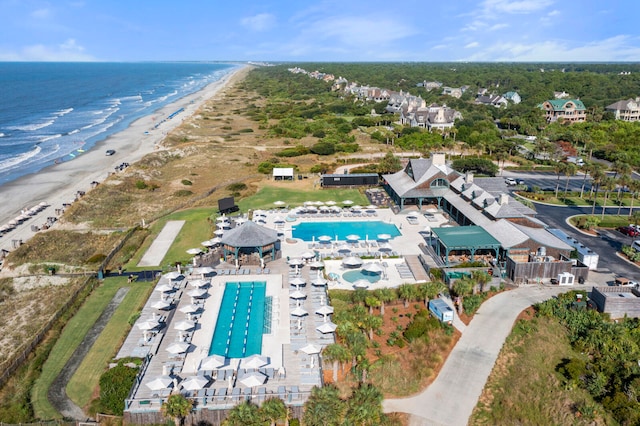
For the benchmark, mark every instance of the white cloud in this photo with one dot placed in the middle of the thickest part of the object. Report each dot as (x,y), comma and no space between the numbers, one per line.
(498,27)
(492,7)
(472,45)
(260,22)
(618,48)
(359,31)
(41,14)
(554,12)
(69,50)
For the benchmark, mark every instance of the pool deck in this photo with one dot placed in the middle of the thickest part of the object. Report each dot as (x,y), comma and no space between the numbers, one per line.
(291,372)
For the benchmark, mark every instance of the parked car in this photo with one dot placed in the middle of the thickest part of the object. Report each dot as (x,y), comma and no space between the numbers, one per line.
(520,181)
(629,230)
(110,152)
(510,181)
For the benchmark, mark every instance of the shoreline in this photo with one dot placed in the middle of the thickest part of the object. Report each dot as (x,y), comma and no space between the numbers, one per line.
(58,184)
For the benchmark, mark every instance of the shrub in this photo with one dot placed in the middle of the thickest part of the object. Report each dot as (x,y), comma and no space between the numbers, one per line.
(247,130)
(472,303)
(323,148)
(238,186)
(186,182)
(140,184)
(182,193)
(97,258)
(296,151)
(115,384)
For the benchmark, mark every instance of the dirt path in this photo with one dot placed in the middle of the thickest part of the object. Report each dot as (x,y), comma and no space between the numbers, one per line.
(57,392)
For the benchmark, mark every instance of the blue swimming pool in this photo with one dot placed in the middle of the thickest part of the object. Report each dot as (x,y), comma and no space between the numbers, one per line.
(241,320)
(306,231)
(353,276)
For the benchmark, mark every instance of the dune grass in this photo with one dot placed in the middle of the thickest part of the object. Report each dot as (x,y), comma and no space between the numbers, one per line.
(86,378)
(71,337)
(267,195)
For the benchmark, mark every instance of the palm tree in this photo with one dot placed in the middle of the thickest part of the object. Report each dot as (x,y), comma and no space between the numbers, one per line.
(569,170)
(384,295)
(559,168)
(597,175)
(461,288)
(336,354)
(365,406)
(274,409)
(176,407)
(609,185)
(244,414)
(324,407)
(481,277)
(407,292)
(372,323)
(430,290)
(634,187)
(372,302)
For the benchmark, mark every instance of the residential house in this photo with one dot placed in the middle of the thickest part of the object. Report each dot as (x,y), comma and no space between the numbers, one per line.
(565,110)
(561,95)
(455,92)
(493,100)
(628,110)
(512,97)
(432,117)
(431,85)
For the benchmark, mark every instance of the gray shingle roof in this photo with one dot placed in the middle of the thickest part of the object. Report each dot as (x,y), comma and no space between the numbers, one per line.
(249,234)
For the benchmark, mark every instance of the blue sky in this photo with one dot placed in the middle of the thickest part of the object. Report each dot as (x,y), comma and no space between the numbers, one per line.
(358,30)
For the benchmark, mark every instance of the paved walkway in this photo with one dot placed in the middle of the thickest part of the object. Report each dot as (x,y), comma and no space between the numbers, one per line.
(160,246)
(451,398)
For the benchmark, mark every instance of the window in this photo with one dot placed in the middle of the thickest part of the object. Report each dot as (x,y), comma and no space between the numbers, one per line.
(439,183)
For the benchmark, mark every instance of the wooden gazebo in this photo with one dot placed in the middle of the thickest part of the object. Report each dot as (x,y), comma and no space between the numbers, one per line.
(250,239)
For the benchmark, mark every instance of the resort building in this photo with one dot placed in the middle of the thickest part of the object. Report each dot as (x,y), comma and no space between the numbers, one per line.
(564,110)
(617,301)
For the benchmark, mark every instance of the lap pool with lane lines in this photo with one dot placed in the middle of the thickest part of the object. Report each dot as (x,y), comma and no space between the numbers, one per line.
(244,313)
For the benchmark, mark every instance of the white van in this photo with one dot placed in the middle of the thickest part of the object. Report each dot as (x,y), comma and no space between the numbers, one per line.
(636,245)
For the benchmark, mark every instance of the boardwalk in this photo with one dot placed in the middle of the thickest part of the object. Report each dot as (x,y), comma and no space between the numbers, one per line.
(162,243)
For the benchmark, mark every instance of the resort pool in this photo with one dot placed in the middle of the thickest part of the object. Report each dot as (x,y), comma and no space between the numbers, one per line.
(241,320)
(307,231)
(353,276)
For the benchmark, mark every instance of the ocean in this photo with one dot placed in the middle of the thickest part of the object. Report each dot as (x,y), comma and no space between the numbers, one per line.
(54,112)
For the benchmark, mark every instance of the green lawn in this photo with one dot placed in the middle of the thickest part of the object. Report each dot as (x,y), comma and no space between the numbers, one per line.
(265,198)
(71,336)
(87,377)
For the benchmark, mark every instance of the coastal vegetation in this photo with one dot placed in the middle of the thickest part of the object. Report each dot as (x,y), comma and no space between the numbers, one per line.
(274,118)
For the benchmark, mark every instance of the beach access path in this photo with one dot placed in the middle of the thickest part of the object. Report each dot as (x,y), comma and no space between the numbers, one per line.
(59,183)
(161,245)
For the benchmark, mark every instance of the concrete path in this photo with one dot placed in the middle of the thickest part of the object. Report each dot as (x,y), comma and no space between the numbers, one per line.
(160,246)
(451,398)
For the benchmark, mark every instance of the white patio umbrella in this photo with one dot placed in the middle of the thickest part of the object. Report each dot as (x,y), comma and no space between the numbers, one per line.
(219,232)
(344,249)
(308,255)
(189,309)
(194,383)
(278,219)
(208,243)
(324,238)
(319,281)
(296,261)
(352,261)
(327,327)
(178,347)
(385,247)
(240,220)
(324,310)
(203,270)
(184,325)
(362,283)
(222,219)
(299,312)
(384,237)
(160,382)
(353,237)
(297,281)
(279,203)
(197,292)
(174,275)
(213,362)
(297,295)
(253,379)
(199,283)
(194,251)
(373,267)
(318,264)
(165,288)
(330,203)
(254,361)
(148,324)
(311,349)
(347,202)
(371,207)
(161,304)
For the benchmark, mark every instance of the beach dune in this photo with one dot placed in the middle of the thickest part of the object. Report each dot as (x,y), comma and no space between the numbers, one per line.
(59,183)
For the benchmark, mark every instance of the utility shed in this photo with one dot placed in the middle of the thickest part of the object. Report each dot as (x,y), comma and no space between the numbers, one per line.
(283,173)
(346,180)
(617,301)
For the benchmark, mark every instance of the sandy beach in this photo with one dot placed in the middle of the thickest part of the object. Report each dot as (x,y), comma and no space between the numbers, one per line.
(59,183)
